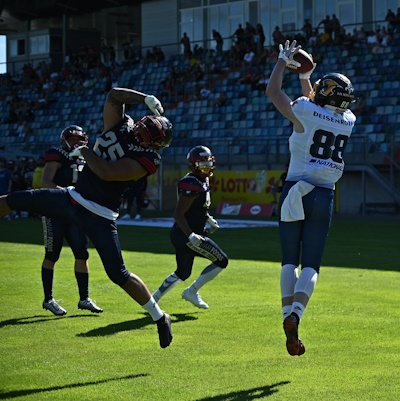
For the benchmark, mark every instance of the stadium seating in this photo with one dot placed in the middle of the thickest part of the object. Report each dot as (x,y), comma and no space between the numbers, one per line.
(248,114)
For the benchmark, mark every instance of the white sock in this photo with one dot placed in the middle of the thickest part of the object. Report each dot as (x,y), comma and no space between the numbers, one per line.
(152,307)
(286,311)
(169,283)
(306,284)
(289,277)
(209,273)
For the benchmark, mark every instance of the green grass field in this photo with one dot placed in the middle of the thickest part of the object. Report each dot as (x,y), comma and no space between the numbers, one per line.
(233,351)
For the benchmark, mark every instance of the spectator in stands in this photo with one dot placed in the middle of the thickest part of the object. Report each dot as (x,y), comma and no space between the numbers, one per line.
(384,37)
(306,203)
(24,132)
(218,39)
(185,41)
(5,177)
(277,36)
(336,27)
(397,21)
(359,107)
(38,173)
(391,20)
(327,24)
(239,35)
(259,38)
(372,40)
(249,57)
(221,99)
(307,29)
(94,202)
(249,33)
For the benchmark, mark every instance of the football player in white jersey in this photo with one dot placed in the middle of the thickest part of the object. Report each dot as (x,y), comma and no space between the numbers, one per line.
(322,125)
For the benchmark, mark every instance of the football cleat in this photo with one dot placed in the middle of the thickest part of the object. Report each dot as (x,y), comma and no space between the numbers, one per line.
(89,304)
(294,345)
(164,330)
(194,298)
(54,308)
(126,217)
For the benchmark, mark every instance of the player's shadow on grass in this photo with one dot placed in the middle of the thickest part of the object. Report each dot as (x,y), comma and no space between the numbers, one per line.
(134,325)
(21,393)
(39,319)
(247,395)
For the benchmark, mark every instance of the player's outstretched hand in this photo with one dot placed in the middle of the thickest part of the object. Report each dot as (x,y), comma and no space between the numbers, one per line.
(287,52)
(154,105)
(77,151)
(213,224)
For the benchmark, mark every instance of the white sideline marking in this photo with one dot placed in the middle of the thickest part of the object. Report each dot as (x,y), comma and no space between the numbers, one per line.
(167,222)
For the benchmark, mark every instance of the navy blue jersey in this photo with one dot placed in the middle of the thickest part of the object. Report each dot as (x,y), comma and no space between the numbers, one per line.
(113,145)
(191,185)
(70,168)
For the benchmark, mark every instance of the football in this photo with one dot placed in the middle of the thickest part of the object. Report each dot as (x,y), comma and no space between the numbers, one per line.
(305,60)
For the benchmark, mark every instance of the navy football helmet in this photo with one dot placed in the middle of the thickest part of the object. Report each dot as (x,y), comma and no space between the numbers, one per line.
(201,161)
(333,90)
(153,132)
(73,131)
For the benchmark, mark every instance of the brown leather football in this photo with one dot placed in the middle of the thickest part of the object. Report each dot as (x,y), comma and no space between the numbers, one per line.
(304,59)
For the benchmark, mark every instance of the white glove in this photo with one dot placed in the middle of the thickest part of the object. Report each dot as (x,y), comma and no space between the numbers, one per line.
(195,239)
(77,151)
(213,224)
(286,53)
(307,74)
(154,105)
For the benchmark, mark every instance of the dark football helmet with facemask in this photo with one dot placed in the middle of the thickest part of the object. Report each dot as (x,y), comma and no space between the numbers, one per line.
(201,161)
(153,132)
(73,131)
(334,91)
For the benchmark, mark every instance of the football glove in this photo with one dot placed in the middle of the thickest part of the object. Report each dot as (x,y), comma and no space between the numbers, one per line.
(287,52)
(77,151)
(307,74)
(213,224)
(154,105)
(195,239)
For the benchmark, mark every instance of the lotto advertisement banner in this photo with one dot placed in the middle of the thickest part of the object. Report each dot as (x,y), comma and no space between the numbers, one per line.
(240,192)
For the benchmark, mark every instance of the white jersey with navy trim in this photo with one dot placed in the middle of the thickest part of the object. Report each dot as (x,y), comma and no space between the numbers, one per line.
(316,155)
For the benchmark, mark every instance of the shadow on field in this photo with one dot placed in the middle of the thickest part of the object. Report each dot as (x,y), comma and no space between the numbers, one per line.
(39,319)
(251,394)
(21,393)
(133,325)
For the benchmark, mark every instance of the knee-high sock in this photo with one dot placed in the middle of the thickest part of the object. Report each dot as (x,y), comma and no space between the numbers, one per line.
(306,285)
(47,281)
(208,274)
(83,284)
(169,283)
(289,277)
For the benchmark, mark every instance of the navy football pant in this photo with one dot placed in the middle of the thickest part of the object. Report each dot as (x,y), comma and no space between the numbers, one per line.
(101,232)
(185,255)
(304,240)
(55,230)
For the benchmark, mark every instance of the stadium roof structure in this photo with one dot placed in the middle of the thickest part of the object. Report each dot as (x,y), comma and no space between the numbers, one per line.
(15,12)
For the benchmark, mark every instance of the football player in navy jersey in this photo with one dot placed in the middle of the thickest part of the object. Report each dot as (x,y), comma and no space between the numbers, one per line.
(188,234)
(125,152)
(322,125)
(60,171)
